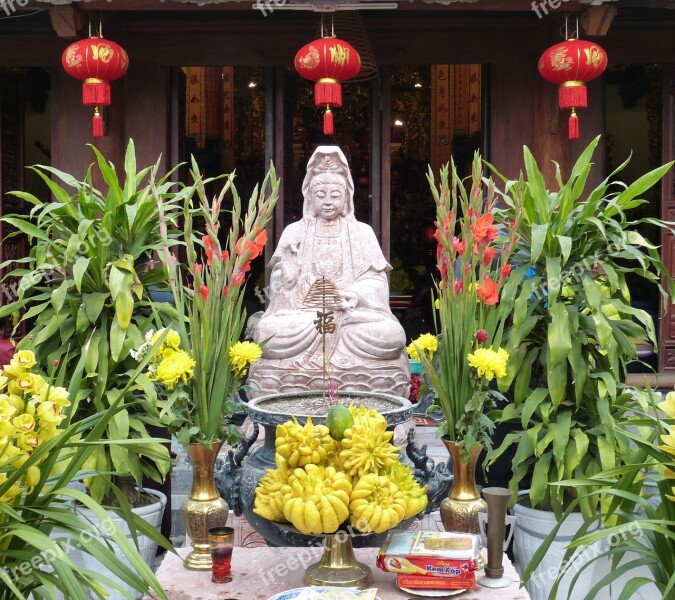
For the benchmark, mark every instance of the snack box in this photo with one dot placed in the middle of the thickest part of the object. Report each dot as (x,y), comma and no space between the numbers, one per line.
(431,559)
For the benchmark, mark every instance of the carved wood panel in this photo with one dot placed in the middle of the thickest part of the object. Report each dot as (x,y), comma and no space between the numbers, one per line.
(667,325)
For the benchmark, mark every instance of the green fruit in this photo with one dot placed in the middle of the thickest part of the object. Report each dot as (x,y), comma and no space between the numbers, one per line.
(338,420)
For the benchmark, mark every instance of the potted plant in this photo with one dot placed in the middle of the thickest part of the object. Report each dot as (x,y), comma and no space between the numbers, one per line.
(473,297)
(638,507)
(201,363)
(573,333)
(42,451)
(85,289)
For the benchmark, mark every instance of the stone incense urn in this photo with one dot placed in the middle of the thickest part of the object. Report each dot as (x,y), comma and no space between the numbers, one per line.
(237,477)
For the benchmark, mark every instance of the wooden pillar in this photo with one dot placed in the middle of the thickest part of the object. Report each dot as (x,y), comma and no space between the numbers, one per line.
(385,168)
(146,113)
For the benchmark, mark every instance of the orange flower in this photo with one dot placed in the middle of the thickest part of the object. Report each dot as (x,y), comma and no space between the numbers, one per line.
(261,240)
(457,245)
(483,231)
(226,256)
(204,291)
(489,254)
(239,278)
(506,270)
(488,291)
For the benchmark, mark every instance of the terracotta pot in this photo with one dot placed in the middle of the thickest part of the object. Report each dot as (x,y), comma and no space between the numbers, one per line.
(204,508)
(459,511)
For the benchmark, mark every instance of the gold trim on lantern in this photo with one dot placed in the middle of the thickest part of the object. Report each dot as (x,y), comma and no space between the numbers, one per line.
(327,80)
(93,80)
(574,83)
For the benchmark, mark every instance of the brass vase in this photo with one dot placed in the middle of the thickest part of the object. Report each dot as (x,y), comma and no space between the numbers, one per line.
(459,511)
(204,508)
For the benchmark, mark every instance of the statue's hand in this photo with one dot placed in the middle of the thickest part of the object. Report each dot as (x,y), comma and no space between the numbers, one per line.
(349,301)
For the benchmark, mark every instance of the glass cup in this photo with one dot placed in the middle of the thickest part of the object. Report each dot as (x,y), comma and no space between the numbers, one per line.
(221,540)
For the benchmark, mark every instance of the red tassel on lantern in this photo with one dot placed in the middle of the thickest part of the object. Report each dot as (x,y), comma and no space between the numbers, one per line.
(328,91)
(97,124)
(328,122)
(572,94)
(95,92)
(573,126)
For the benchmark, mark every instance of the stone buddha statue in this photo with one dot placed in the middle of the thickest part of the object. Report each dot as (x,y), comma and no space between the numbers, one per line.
(329,297)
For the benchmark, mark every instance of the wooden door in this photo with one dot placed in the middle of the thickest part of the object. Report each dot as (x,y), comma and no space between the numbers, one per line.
(667,323)
(11,178)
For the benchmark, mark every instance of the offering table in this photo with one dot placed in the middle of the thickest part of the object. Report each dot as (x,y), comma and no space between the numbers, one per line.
(259,573)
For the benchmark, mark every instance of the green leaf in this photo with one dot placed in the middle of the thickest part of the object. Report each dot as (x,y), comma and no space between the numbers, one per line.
(28,228)
(559,340)
(93,304)
(79,269)
(565,247)
(539,232)
(117,336)
(531,404)
(59,295)
(540,479)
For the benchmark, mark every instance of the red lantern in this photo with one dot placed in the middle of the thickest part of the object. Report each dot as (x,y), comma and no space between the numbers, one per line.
(96,62)
(570,64)
(328,61)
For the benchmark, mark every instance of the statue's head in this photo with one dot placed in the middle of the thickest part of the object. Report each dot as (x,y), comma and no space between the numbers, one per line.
(327,167)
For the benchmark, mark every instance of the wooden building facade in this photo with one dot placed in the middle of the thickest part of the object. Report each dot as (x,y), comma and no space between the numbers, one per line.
(504,37)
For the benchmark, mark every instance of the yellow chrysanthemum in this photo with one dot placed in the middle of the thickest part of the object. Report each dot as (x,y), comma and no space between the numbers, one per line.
(25,358)
(172,339)
(243,354)
(488,363)
(175,366)
(426,343)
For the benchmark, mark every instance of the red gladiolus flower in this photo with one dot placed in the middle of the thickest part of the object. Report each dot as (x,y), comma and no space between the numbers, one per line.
(444,270)
(459,286)
(439,251)
(457,245)
(489,254)
(483,231)
(437,234)
(199,268)
(209,257)
(225,290)
(261,240)
(481,336)
(226,256)
(204,291)
(239,278)
(446,222)
(506,270)
(488,292)
(247,267)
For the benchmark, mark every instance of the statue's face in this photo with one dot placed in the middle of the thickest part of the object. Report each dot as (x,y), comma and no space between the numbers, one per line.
(329,200)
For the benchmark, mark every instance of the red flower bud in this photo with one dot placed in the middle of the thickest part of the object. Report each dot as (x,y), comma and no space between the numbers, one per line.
(239,278)
(56,363)
(204,291)
(459,286)
(481,336)
(506,270)
(199,268)
(225,290)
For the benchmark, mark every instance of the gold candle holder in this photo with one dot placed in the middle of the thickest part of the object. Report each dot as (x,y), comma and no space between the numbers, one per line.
(338,565)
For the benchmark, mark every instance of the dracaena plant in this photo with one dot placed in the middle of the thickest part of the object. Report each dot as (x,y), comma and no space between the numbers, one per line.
(84,292)
(638,507)
(574,329)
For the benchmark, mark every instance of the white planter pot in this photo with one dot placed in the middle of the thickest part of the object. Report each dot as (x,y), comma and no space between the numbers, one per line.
(532,528)
(152,514)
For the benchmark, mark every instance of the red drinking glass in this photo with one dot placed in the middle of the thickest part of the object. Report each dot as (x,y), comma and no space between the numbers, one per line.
(221,542)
